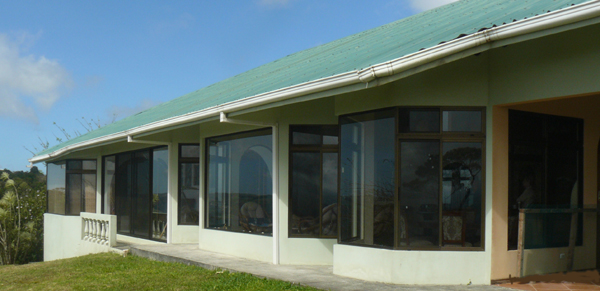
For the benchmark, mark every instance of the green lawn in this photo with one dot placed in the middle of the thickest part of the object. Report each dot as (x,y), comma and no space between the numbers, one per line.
(114,272)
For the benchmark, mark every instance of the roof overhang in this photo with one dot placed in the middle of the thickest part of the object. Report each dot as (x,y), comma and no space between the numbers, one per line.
(545,24)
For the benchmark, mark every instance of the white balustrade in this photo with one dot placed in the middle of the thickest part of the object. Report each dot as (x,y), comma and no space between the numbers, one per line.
(99,228)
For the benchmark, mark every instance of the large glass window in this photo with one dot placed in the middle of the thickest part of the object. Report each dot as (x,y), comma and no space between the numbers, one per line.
(545,170)
(189,183)
(56,187)
(313,181)
(72,187)
(367,178)
(108,180)
(433,198)
(419,193)
(136,190)
(239,182)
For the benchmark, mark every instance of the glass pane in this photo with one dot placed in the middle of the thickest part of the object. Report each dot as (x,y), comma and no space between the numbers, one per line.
(330,195)
(89,165)
(123,188)
(89,190)
(330,140)
(74,192)
(190,151)
(462,121)
(525,126)
(419,193)
(141,195)
(74,165)
(160,174)
(56,187)
(305,196)
(240,183)
(367,146)
(314,134)
(109,185)
(189,193)
(419,120)
(525,181)
(306,138)
(461,194)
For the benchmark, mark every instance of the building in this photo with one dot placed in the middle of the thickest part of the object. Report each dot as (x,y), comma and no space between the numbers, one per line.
(402,154)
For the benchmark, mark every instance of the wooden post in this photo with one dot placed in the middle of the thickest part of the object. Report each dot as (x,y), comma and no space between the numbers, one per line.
(572,241)
(521,244)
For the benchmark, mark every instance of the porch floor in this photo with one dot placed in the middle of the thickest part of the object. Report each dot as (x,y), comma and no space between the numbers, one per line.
(320,277)
(576,280)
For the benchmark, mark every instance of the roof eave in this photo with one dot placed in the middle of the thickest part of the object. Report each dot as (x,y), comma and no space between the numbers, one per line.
(535,24)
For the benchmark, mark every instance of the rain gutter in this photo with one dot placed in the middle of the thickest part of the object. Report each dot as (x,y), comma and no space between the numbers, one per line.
(482,39)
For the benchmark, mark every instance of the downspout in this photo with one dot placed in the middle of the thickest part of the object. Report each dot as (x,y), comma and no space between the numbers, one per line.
(275,177)
(169,177)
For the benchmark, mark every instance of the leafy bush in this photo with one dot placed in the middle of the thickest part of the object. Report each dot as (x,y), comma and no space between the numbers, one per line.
(22,205)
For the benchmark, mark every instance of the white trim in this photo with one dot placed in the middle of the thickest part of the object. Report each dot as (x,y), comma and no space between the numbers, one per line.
(535,24)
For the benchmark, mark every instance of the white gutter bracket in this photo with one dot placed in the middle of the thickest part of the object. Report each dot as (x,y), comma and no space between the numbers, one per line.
(275,175)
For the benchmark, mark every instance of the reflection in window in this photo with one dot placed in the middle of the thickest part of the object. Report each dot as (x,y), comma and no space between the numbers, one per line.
(189,180)
(545,166)
(109,185)
(461,194)
(462,121)
(367,159)
(135,189)
(239,182)
(439,178)
(71,187)
(313,182)
(56,187)
(160,174)
(419,193)
(413,120)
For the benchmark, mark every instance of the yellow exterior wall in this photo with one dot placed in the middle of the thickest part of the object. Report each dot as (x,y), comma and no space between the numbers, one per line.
(555,75)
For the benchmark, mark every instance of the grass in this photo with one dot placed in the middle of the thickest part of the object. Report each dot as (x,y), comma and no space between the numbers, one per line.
(113,272)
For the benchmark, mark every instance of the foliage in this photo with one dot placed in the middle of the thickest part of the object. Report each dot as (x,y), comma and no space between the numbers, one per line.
(87,125)
(22,205)
(113,272)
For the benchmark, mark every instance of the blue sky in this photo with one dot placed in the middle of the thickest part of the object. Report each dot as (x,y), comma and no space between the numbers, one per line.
(61,61)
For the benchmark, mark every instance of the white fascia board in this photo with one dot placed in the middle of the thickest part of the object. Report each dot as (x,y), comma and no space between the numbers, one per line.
(538,23)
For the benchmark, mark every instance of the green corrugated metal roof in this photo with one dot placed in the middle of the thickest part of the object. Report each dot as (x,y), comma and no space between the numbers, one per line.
(351,53)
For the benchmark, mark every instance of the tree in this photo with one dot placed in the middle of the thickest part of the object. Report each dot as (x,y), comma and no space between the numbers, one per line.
(22,204)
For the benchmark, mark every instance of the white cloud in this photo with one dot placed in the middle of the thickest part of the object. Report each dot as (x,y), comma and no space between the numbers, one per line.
(119,112)
(28,78)
(422,5)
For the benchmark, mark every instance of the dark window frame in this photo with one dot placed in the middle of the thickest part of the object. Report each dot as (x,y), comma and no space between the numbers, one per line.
(443,137)
(186,160)
(226,137)
(67,190)
(546,143)
(132,153)
(310,148)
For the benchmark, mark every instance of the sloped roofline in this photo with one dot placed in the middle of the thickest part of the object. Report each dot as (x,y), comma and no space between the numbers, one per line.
(481,40)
